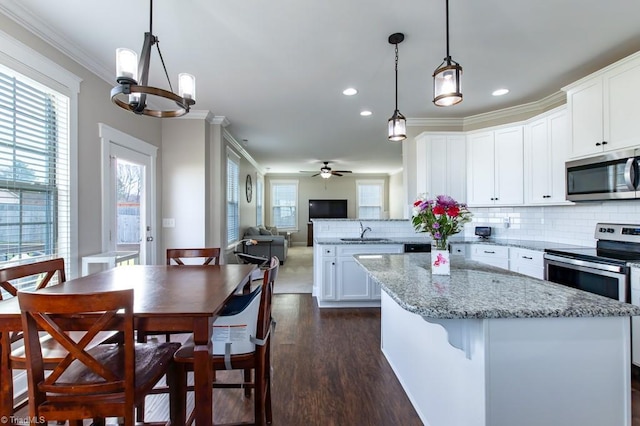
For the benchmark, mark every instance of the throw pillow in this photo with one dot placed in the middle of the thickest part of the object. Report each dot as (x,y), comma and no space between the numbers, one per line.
(265,232)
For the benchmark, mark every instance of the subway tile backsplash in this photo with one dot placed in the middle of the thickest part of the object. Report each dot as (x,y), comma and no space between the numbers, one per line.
(574,224)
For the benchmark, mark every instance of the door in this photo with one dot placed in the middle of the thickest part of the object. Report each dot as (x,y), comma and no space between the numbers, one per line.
(128,195)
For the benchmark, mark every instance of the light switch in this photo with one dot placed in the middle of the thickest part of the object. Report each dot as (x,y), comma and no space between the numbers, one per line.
(168,222)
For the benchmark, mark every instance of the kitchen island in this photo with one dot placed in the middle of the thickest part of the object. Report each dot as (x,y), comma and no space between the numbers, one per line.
(489,347)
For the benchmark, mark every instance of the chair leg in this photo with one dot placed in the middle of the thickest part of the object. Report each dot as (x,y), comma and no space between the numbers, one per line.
(140,412)
(247,380)
(259,397)
(177,383)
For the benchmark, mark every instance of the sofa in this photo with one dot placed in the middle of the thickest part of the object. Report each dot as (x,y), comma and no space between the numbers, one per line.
(269,242)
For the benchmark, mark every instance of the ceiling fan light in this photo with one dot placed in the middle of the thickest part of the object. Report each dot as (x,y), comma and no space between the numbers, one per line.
(326,174)
(397,127)
(447,84)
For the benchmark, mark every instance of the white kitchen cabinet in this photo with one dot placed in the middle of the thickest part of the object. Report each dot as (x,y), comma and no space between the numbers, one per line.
(635,321)
(603,109)
(340,281)
(459,250)
(495,167)
(441,166)
(546,148)
(527,262)
(490,254)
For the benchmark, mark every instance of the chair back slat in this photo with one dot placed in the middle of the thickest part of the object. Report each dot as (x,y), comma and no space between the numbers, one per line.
(264,314)
(50,268)
(211,255)
(90,312)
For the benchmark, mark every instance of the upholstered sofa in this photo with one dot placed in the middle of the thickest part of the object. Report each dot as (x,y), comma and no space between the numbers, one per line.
(269,242)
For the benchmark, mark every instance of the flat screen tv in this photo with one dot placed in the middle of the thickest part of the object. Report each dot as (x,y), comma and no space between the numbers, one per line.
(327,209)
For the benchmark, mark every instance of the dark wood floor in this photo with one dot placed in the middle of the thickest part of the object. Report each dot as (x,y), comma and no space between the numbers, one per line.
(327,370)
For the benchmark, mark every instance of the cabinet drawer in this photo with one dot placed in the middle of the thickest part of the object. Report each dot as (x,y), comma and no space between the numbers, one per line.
(328,251)
(533,258)
(459,249)
(488,250)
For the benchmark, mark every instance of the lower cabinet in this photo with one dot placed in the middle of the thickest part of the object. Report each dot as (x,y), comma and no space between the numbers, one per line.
(490,254)
(527,262)
(341,281)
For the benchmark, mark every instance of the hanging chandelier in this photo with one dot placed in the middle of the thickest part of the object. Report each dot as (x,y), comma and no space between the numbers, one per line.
(446,79)
(397,122)
(132,91)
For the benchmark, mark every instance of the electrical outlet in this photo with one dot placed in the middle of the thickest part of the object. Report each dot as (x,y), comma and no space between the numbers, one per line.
(507,222)
(168,222)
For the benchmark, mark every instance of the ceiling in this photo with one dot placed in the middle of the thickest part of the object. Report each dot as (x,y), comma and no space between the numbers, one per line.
(276,69)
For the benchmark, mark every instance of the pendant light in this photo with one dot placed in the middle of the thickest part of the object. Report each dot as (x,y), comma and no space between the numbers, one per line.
(446,79)
(397,122)
(132,77)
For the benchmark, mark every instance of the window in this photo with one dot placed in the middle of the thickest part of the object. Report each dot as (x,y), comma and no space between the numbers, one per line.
(34,170)
(370,199)
(284,202)
(233,196)
(259,200)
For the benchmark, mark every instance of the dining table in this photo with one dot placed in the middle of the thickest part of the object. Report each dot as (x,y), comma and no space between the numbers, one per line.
(166,299)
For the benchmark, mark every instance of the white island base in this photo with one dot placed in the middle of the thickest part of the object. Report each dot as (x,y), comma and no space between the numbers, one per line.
(514,371)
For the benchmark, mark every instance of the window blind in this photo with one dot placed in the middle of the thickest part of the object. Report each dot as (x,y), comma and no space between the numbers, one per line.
(370,200)
(233,215)
(284,198)
(34,171)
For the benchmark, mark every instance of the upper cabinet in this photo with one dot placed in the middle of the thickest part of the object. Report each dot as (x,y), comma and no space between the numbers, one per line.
(603,109)
(495,167)
(546,148)
(441,165)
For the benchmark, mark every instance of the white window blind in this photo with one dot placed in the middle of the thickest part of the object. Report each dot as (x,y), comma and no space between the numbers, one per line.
(34,171)
(284,201)
(370,199)
(233,211)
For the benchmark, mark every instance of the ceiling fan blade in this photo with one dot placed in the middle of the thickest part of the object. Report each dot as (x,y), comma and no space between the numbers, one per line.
(315,175)
(343,171)
(336,174)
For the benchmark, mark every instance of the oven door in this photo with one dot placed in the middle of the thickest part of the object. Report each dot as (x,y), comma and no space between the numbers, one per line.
(606,280)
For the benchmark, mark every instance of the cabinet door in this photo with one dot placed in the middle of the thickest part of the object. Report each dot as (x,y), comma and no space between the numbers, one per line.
(456,176)
(376,292)
(585,118)
(437,182)
(352,280)
(527,262)
(481,166)
(559,144)
(621,106)
(538,167)
(509,166)
(328,283)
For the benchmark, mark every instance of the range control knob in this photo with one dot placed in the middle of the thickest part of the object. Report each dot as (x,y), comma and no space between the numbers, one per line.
(602,229)
(610,230)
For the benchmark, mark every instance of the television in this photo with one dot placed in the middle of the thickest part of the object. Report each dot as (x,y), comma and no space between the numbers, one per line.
(327,209)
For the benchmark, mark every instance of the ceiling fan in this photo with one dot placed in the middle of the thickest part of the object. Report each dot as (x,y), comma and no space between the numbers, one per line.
(326,172)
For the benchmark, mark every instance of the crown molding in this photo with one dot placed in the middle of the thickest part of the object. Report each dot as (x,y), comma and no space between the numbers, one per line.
(23,17)
(435,122)
(220,120)
(234,143)
(532,108)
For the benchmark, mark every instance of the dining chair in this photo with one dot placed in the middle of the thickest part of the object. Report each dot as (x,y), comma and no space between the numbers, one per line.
(251,354)
(209,254)
(106,380)
(43,273)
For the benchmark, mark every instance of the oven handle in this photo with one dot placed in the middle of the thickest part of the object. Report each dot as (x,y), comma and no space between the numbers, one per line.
(560,260)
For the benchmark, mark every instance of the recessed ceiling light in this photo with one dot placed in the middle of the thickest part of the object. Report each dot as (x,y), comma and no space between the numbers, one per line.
(500,92)
(349,91)
(365,113)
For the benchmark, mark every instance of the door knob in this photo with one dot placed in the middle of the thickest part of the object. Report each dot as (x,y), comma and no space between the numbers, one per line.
(149,238)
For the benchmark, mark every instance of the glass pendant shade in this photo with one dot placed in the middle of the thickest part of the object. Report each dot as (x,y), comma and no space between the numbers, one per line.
(126,64)
(325,174)
(186,86)
(397,127)
(447,89)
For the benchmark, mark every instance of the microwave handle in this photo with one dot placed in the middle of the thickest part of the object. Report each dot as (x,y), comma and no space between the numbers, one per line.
(630,174)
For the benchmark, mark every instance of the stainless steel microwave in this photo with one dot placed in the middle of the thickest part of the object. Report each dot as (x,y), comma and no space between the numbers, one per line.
(612,176)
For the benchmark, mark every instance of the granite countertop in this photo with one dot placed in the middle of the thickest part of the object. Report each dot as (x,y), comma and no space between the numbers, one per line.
(476,290)
(398,240)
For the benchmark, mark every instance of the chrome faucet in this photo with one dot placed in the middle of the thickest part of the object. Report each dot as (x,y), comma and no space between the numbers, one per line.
(363,230)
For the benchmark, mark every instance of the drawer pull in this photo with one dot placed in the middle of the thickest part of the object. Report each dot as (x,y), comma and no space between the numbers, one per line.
(527,257)
(490,252)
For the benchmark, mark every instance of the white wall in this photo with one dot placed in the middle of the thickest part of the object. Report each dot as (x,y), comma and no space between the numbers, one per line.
(397,209)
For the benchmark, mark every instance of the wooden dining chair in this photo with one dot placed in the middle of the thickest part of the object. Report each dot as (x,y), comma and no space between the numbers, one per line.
(43,273)
(106,380)
(209,254)
(257,359)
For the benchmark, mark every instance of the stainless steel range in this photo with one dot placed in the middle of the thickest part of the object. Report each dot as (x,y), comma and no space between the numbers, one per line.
(602,270)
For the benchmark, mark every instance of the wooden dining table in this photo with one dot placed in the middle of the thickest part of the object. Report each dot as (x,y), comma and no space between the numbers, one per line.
(166,298)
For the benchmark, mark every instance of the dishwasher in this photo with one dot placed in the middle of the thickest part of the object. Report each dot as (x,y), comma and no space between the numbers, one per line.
(417,248)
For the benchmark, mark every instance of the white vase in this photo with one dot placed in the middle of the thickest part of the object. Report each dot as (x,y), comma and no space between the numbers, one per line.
(440,262)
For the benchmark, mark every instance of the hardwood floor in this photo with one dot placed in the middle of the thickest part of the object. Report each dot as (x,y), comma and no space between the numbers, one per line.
(327,370)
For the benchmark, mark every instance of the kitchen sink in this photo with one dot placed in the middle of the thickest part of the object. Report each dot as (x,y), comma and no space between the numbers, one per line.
(364,239)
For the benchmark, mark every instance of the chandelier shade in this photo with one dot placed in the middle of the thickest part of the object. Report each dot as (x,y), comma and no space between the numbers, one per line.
(447,85)
(397,122)
(132,76)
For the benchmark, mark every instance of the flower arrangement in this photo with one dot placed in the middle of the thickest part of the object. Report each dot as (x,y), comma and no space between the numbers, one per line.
(442,218)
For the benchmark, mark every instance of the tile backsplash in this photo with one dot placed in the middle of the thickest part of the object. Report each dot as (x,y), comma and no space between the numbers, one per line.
(572,224)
